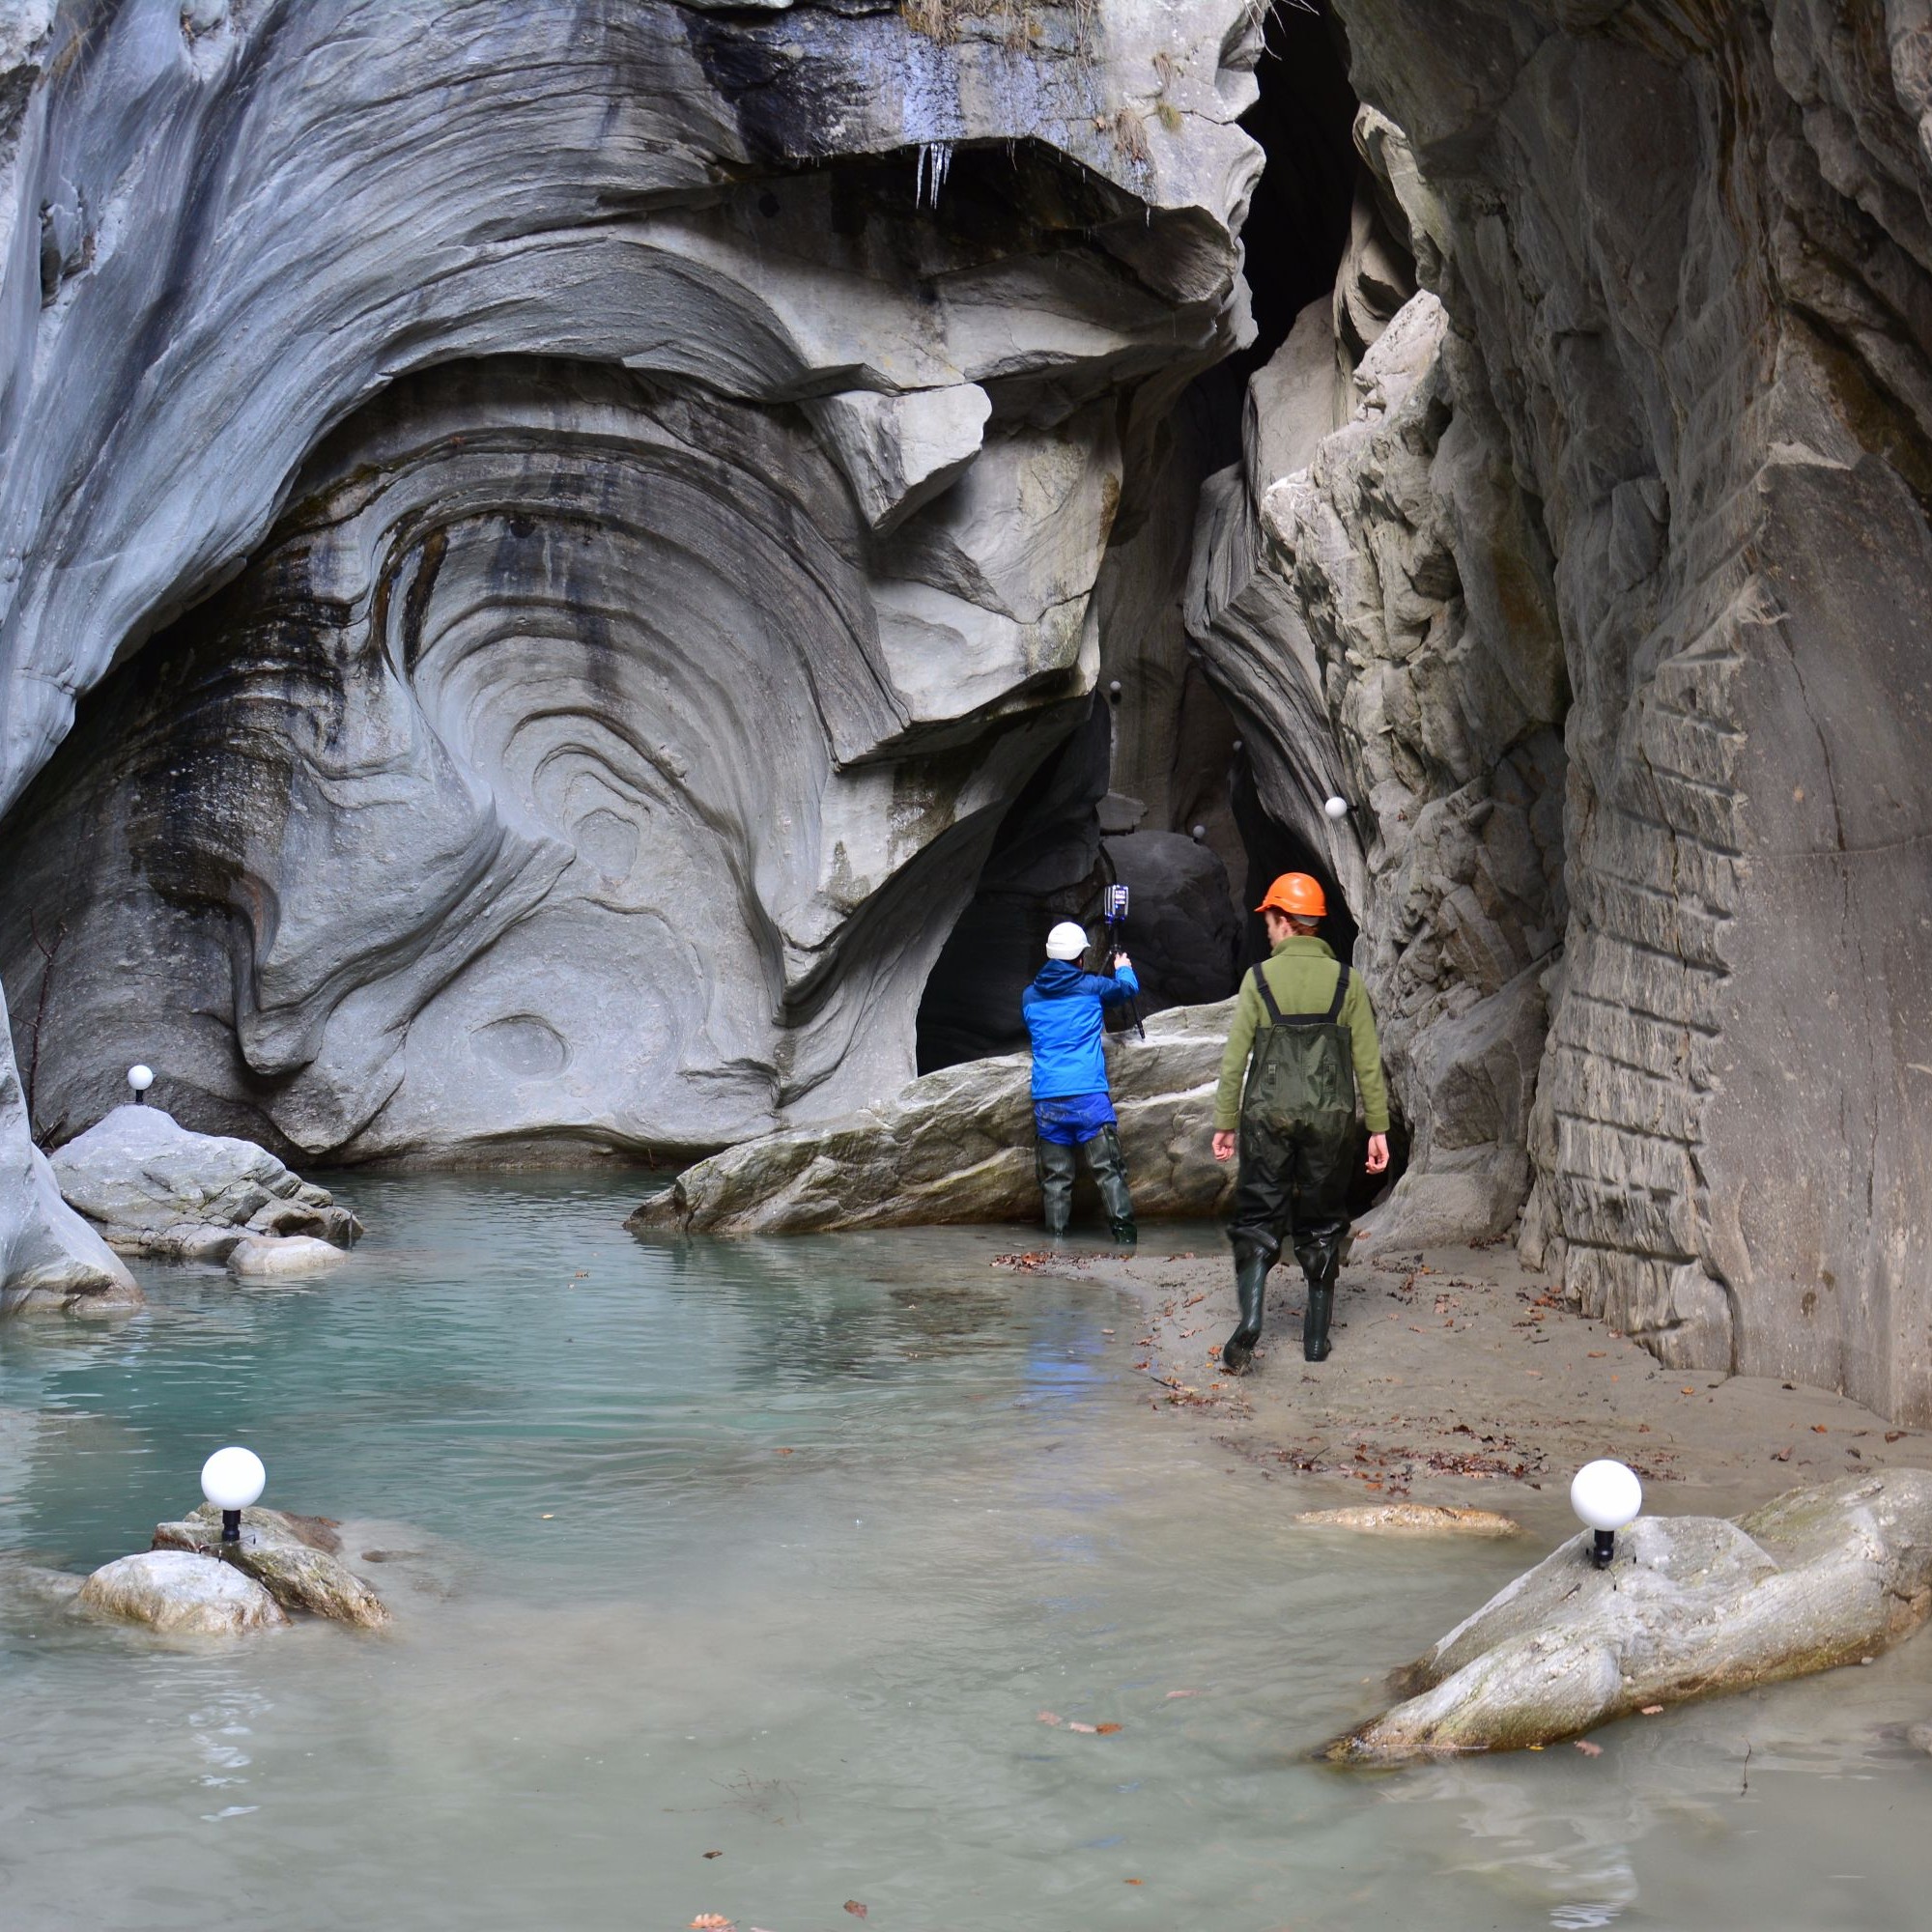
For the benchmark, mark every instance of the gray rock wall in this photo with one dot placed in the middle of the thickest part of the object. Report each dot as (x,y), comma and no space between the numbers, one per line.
(1680,427)
(659,459)
(1371,597)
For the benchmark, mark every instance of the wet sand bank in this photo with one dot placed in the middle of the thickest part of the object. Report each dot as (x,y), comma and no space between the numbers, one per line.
(1457,1376)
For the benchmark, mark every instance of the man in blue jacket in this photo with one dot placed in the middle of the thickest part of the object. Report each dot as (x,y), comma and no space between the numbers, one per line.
(1070,1103)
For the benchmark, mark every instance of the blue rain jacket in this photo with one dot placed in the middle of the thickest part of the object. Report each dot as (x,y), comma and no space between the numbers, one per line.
(1063,1009)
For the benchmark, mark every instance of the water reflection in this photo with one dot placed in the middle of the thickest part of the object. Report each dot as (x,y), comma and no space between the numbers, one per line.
(782,1550)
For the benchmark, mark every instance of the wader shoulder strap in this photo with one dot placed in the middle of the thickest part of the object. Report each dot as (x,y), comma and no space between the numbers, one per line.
(1341,992)
(1334,1013)
(1268,997)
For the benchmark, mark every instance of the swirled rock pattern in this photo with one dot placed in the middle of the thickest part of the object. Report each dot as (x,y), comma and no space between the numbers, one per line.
(659,459)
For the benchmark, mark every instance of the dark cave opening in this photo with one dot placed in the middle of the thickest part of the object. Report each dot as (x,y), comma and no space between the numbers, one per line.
(1298,223)
(1174,746)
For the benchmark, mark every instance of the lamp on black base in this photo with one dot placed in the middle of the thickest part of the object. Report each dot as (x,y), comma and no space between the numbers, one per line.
(231,1479)
(1606,1497)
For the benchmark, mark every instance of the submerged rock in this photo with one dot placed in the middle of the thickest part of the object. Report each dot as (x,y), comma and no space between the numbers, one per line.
(175,1591)
(958,1146)
(1414,1519)
(1690,1607)
(153,1187)
(292,1557)
(259,1255)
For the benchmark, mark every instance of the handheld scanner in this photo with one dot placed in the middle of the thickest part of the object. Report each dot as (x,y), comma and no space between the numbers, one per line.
(1117,904)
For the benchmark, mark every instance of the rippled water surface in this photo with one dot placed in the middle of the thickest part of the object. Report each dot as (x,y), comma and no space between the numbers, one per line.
(777,1552)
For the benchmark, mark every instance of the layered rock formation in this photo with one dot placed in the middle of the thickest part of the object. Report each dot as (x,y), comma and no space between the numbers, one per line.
(151,1187)
(663,457)
(1656,472)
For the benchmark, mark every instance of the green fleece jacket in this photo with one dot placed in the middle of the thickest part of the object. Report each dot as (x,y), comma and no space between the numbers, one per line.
(1301,976)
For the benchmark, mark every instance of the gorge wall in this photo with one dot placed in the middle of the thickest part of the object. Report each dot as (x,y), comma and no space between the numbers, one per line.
(541,542)
(550,556)
(1628,509)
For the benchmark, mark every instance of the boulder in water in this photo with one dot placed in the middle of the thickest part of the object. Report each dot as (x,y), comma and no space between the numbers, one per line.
(1690,1607)
(258,1256)
(50,1256)
(175,1591)
(153,1187)
(292,1557)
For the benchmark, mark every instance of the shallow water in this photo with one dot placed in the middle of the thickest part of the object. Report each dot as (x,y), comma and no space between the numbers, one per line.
(778,1550)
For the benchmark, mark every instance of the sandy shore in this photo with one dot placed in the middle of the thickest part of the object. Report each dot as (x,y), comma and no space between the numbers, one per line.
(1456,1377)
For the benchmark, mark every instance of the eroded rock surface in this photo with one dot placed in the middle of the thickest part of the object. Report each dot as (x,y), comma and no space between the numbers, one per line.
(182,1594)
(297,1559)
(1627,511)
(1690,1606)
(50,1256)
(153,1187)
(667,453)
(958,1146)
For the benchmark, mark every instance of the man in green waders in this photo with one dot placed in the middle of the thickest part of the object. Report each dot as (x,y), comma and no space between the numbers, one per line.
(1301,1047)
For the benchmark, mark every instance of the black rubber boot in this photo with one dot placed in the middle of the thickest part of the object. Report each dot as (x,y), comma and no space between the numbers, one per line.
(1109,1173)
(1251,1268)
(1055,1165)
(1320,1253)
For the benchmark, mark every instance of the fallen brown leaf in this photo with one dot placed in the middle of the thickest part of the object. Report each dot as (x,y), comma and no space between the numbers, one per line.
(1819,1429)
(714,1854)
(1183,1694)
(1686,1391)
(1653,1710)
(857,1910)
(1133,1881)
(710,1922)
(1106,1730)
(1589,1749)
(1894,1435)
(1781,1455)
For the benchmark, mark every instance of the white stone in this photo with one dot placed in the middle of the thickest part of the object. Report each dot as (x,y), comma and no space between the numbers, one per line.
(154,1187)
(185,1595)
(262,1255)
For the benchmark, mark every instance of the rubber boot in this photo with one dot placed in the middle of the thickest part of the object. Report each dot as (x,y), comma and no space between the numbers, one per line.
(1109,1173)
(1055,1165)
(1320,1253)
(1251,1268)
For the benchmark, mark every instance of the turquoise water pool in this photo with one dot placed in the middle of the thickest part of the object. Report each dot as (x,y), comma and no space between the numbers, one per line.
(779,1550)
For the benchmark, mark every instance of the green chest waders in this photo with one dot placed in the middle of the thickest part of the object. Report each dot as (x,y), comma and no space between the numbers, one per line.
(1297,1135)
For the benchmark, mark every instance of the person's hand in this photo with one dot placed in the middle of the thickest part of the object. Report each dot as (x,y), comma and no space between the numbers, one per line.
(1122,959)
(1378,1152)
(1224,1146)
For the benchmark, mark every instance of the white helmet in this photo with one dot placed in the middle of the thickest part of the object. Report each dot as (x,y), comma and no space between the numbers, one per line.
(1066,941)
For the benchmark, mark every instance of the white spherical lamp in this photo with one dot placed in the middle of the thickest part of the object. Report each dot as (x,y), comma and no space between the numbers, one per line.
(1336,808)
(141,1078)
(231,1479)
(1607,1497)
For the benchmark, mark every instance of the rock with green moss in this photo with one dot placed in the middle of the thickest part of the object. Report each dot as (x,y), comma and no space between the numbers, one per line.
(294,1557)
(1690,1606)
